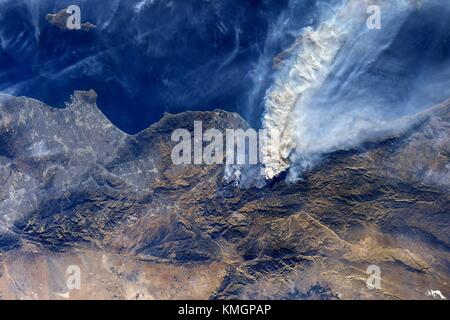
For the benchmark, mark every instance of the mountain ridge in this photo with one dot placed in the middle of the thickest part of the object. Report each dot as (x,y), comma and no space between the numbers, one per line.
(75,188)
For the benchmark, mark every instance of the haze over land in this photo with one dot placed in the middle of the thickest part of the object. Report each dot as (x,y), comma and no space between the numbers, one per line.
(87,178)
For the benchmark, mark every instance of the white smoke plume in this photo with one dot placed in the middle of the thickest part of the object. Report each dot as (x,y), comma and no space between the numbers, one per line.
(335,88)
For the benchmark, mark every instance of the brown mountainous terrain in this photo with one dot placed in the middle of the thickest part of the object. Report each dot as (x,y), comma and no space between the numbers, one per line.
(75,190)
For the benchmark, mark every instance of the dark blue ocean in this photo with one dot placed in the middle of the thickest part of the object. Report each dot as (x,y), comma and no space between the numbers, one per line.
(147,57)
(142,61)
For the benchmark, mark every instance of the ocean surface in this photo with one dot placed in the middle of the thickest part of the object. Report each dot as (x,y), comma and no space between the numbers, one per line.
(147,57)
